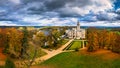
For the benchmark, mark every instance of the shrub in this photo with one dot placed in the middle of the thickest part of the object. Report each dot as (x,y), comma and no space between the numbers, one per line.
(9,64)
(90,49)
(76,49)
(116,49)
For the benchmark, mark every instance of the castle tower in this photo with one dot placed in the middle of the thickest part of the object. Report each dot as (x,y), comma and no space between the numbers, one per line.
(78,25)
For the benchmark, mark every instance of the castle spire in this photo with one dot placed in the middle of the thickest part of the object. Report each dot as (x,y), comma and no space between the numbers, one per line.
(78,25)
(78,22)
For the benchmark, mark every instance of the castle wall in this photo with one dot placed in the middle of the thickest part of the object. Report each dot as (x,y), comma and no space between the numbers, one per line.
(76,32)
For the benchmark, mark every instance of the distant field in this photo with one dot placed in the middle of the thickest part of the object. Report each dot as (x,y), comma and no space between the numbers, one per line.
(102,59)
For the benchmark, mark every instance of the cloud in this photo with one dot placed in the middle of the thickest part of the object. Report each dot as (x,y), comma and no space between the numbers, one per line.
(68,8)
(106,16)
(59,12)
(39,20)
(7,23)
(15,1)
(118,11)
(102,23)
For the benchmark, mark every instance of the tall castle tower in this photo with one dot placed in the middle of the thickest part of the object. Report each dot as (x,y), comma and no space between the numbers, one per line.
(78,25)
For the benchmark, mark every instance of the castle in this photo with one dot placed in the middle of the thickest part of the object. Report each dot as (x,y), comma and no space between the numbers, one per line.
(76,33)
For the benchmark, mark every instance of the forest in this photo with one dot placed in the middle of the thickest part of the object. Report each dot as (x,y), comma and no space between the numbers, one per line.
(103,39)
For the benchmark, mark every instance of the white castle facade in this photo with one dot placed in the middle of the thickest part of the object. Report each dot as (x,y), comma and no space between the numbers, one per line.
(76,33)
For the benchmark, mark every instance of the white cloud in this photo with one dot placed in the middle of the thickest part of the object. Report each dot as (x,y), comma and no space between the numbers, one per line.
(15,1)
(2,10)
(102,23)
(118,10)
(95,6)
(41,21)
(7,23)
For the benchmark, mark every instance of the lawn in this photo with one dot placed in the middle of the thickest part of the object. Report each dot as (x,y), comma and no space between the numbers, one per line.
(75,44)
(64,41)
(80,60)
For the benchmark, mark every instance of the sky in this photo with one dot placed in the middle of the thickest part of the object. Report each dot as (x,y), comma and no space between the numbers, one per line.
(59,12)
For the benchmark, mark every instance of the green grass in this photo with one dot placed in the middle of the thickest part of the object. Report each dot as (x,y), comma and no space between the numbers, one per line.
(77,60)
(64,41)
(75,44)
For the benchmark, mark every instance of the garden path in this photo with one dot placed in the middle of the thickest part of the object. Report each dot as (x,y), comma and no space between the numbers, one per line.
(52,53)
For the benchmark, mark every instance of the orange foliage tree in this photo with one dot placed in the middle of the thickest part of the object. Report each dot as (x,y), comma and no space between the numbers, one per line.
(101,39)
(15,38)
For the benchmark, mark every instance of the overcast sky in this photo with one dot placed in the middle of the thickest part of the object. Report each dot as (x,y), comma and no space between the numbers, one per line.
(59,12)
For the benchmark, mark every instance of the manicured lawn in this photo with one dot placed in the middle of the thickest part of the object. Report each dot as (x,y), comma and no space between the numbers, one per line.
(75,44)
(79,60)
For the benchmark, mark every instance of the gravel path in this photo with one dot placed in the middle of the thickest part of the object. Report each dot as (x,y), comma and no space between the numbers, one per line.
(45,57)
(52,53)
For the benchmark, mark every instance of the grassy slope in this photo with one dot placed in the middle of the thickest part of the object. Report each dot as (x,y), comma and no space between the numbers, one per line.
(75,44)
(78,60)
(39,51)
(65,41)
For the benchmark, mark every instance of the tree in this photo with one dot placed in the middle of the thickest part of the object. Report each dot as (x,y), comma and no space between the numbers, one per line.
(38,41)
(50,40)
(56,37)
(24,42)
(110,39)
(92,39)
(4,39)
(14,38)
(115,39)
(102,38)
(31,59)
(40,38)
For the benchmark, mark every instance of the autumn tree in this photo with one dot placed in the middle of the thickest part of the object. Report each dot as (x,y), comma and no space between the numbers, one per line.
(24,42)
(49,40)
(102,38)
(14,38)
(56,37)
(116,46)
(40,38)
(92,39)
(3,37)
